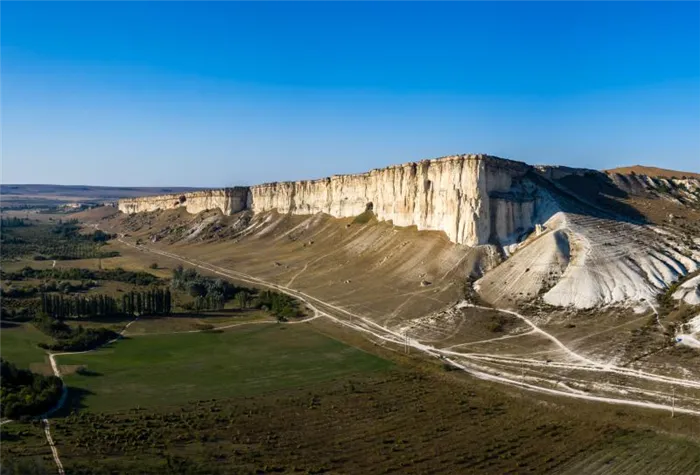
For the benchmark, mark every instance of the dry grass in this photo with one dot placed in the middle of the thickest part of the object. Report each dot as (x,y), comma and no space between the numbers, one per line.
(652,171)
(372,268)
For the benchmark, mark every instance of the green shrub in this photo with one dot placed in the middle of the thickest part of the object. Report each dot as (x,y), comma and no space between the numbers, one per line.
(24,393)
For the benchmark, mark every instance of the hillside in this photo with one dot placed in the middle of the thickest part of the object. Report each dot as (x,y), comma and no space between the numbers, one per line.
(579,306)
(652,171)
(554,235)
(558,283)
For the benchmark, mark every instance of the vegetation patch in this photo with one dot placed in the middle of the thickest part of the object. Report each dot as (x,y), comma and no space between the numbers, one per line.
(23,449)
(364,217)
(23,393)
(75,273)
(59,241)
(212,294)
(69,339)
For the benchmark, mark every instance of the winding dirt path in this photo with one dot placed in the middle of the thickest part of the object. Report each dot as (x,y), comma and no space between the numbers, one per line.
(54,452)
(64,395)
(490,340)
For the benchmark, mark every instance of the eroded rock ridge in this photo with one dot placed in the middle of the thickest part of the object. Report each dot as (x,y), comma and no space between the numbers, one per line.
(474,199)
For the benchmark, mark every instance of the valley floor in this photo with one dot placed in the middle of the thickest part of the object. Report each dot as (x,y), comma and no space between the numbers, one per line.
(371,381)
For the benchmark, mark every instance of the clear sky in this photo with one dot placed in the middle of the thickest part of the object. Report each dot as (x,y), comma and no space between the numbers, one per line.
(224,93)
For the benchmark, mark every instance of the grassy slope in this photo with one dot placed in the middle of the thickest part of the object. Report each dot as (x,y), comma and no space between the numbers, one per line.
(173,369)
(18,344)
(652,171)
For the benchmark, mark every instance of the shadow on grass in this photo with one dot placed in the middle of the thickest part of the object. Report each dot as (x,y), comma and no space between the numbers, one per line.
(226,312)
(87,372)
(7,436)
(114,319)
(74,402)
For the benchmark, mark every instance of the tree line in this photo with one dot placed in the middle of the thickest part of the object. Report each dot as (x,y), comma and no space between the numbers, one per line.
(14,222)
(149,302)
(75,273)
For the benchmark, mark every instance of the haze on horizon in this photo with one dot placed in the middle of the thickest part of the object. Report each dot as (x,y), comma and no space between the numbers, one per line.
(220,94)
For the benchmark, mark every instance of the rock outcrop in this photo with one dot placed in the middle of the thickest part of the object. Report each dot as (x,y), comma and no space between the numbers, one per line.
(227,200)
(474,199)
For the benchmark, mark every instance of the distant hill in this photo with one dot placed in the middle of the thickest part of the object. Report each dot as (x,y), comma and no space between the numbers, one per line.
(51,195)
(652,171)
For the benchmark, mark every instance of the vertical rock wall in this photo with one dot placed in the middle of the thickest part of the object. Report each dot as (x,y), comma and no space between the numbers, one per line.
(228,200)
(450,194)
(474,199)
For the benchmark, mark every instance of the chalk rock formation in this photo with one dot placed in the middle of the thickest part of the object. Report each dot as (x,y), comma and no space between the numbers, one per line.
(474,199)
(682,190)
(228,200)
(689,291)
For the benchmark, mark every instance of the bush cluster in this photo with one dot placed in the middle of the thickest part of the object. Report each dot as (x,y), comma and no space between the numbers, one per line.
(281,305)
(68,339)
(211,294)
(197,285)
(24,393)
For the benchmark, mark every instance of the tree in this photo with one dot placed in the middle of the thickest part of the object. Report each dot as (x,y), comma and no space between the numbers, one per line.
(168,301)
(198,303)
(242,299)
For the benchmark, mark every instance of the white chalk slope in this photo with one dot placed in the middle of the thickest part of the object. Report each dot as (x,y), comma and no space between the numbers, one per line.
(689,291)
(584,261)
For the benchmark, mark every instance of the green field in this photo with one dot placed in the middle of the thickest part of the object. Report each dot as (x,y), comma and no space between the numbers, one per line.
(18,344)
(163,370)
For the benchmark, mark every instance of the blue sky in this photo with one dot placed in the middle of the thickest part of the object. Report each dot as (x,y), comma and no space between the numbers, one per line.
(224,93)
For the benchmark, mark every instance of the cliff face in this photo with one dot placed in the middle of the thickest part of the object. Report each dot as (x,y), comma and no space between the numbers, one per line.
(228,200)
(452,194)
(474,199)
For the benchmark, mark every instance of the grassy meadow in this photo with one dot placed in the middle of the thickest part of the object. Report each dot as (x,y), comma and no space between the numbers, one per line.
(18,344)
(158,370)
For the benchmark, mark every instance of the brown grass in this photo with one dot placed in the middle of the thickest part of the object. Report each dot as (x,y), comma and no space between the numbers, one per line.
(652,171)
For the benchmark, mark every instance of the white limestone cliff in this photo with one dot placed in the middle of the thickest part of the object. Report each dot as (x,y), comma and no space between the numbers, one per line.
(228,201)
(474,199)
